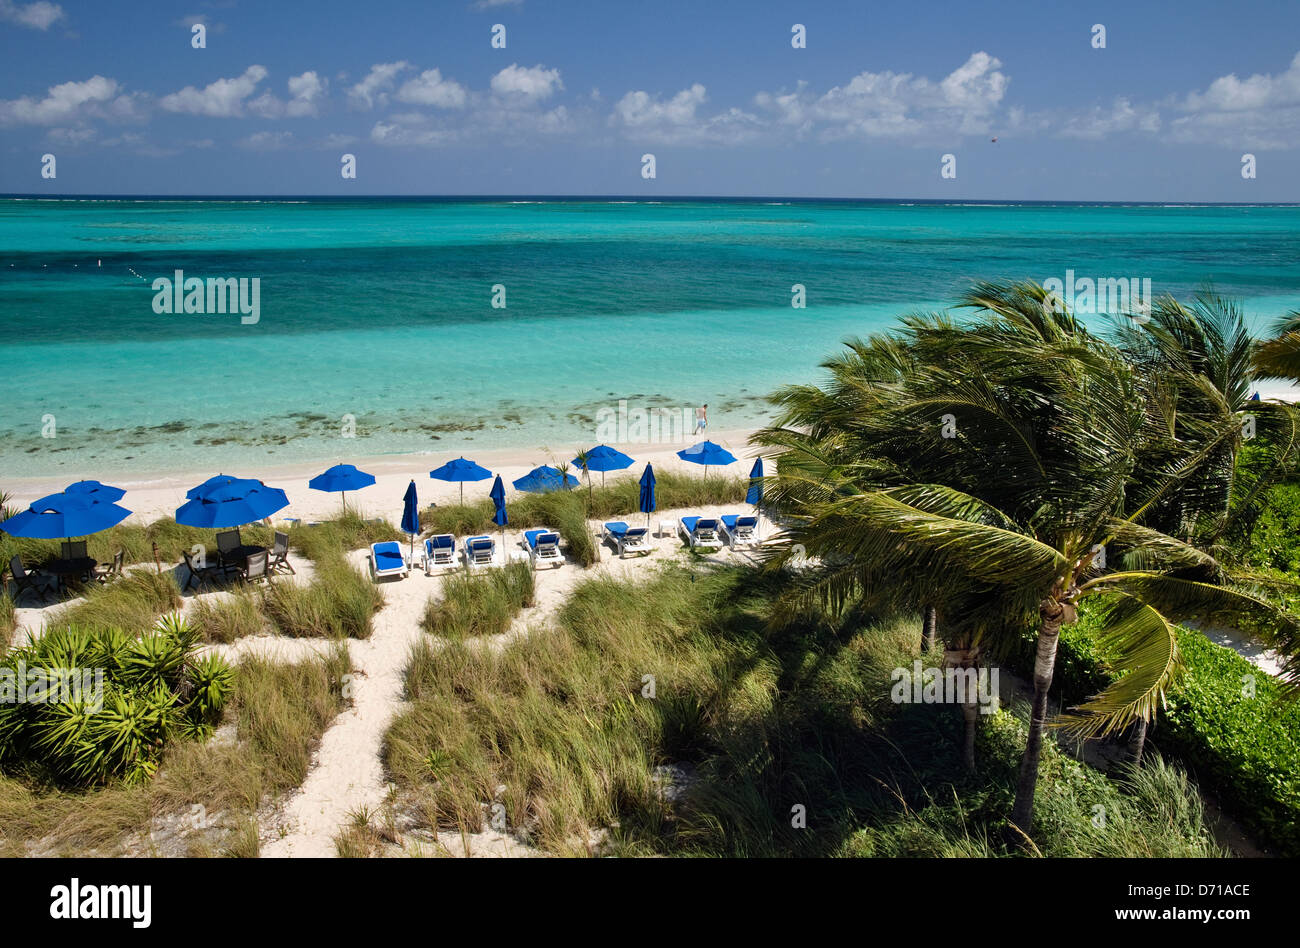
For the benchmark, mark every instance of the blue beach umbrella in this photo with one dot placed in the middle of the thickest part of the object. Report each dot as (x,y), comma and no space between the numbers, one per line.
(341,478)
(411,514)
(604,458)
(647,506)
(461,470)
(498,495)
(103,493)
(61,516)
(213,482)
(755,493)
(233,504)
(707,453)
(542,480)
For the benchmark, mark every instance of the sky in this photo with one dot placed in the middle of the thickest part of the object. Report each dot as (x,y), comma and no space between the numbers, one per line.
(1163,110)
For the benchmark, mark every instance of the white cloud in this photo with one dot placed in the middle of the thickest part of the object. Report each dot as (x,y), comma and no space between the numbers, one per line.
(37,16)
(306,93)
(373,90)
(489,4)
(411,129)
(221,99)
(1260,111)
(677,120)
(1122,116)
(896,105)
(430,88)
(69,102)
(267,141)
(517,83)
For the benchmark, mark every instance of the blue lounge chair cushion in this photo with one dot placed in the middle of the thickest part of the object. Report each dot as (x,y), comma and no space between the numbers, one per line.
(479,543)
(535,536)
(441,542)
(636,532)
(736,520)
(388,556)
(690,522)
(617,527)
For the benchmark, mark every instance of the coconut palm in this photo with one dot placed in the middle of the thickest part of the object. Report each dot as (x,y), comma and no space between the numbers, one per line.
(989,468)
(1279,357)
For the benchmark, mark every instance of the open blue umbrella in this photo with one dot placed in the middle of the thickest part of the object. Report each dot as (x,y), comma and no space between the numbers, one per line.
(604,458)
(341,478)
(212,483)
(542,480)
(411,515)
(708,454)
(647,493)
(240,501)
(461,470)
(103,493)
(61,516)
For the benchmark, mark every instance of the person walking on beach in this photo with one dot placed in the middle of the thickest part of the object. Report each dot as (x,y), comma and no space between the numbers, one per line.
(701,418)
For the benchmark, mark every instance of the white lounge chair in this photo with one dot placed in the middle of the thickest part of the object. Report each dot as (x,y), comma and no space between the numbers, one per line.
(627,539)
(439,550)
(543,546)
(740,530)
(480,551)
(700,532)
(387,559)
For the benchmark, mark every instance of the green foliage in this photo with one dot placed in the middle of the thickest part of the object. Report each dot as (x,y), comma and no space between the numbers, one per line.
(8,620)
(135,601)
(125,700)
(332,538)
(1274,542)
(475,604)
(227,618)
(1246,748)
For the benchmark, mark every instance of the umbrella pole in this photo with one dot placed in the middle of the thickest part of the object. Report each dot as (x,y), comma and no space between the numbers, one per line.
(462,493)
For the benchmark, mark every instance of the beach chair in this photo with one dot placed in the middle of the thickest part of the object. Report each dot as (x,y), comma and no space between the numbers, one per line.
(228,542)
(700,533)
(386,559)
(740,530)
(480,551)
(627,539)
(34,580)
(106,574)
(543,546)
(256,568)
(439,550)
(280,555)
(197,576)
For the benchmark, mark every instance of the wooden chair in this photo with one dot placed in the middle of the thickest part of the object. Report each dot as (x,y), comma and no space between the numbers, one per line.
(198,575)
(280,555)
(106,574)
(255,570)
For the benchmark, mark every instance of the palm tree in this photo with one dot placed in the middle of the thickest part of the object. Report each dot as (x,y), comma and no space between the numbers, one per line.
(1279,357)
(1016,440)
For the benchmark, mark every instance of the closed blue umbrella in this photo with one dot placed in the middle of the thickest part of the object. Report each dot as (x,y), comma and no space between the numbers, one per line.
(461,470)
(604,458)
(411,515)
(103,493)
(341,478)
(648,493)
(755,493)
(498,495)
(233,504)
(61,516)
(541,480)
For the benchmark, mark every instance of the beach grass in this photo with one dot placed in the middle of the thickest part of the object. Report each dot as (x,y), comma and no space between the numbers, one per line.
(339,602)
(133,602)
(223,619)
(8,621)
(475,604)
(671,717)
(210,790)
(333,538)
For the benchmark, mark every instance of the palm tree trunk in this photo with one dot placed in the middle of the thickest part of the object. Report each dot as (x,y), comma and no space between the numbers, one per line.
(929,629)
(1137,740)
(970,710)
(1053,614)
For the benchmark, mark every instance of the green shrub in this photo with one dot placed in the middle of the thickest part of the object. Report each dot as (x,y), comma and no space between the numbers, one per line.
(475,604)
(8,620)
(227,618)
(128,698)
(1246,748)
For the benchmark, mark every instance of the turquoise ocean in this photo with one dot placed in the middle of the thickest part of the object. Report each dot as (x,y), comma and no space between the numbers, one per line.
(381,310)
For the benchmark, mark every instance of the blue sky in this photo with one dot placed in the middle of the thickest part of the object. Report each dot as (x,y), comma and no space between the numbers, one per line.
(713,89)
